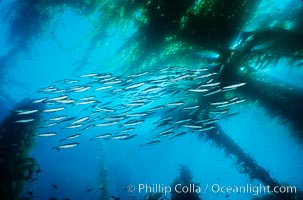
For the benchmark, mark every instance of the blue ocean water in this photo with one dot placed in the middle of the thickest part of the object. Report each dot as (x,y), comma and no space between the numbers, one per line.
(68,46)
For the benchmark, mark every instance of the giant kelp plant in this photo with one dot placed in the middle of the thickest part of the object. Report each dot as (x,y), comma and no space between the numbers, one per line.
(16,142)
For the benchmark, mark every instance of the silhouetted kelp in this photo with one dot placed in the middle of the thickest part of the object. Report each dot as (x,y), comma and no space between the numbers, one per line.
(245,163)
(185,179)
(16,142)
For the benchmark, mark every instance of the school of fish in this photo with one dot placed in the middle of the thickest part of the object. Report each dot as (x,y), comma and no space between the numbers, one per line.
(175,100)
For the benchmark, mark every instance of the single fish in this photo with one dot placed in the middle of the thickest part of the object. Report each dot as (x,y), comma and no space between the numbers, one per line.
(49,125)
(66,101)
(169,130)
(177,135)
(137,75)
(143,114)
(105,109)
(71,137)
(40,100)
(86,102)
(50,134)
(53,110)
(87,98)
(74,126)
(150,143)
(68,119)
(134,86)
(137,122)
(118,118)
(206,128)
(151,89)
(126,130)
(58,98)
(180,77)
(102,136)
(86,127)
(21,121)
(182,121)
(26,112)
(89,75)
(119,137)
(191,107)
(58,118)
(155,108)
(198,90)
(104,87)
(80,120)
(83,89)
(107,124)
(66,146)
(210,85)
(113,82)
(218,103)
(213,92)
(233,86)
(175,104)
(192,126)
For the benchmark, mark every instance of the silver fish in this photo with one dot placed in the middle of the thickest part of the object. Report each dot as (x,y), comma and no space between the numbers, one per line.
(210,84)
(133,123)
(150,143)
(120,137)
(151,89)
(192,126)
(126,130)
(53,110)
(40,100)
(71,137)
(87,98)
(175,104)
(134,86)
(80,120)
(198,90)
(86,102)
(182,121)
(66,146)
(66,101)
(205,76)
(83,89)
(24,121)
(58,98)
(190,107)
(107,124)
(49,125)
(234,86)
(180,77)
(177,135)
(58,118)
(102,136)
(89,75)
(50,134)
(137,75)
(74,126)
(206,128)
(213,92)
(104,87)
(113,82)
(26,112)
(118,118)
